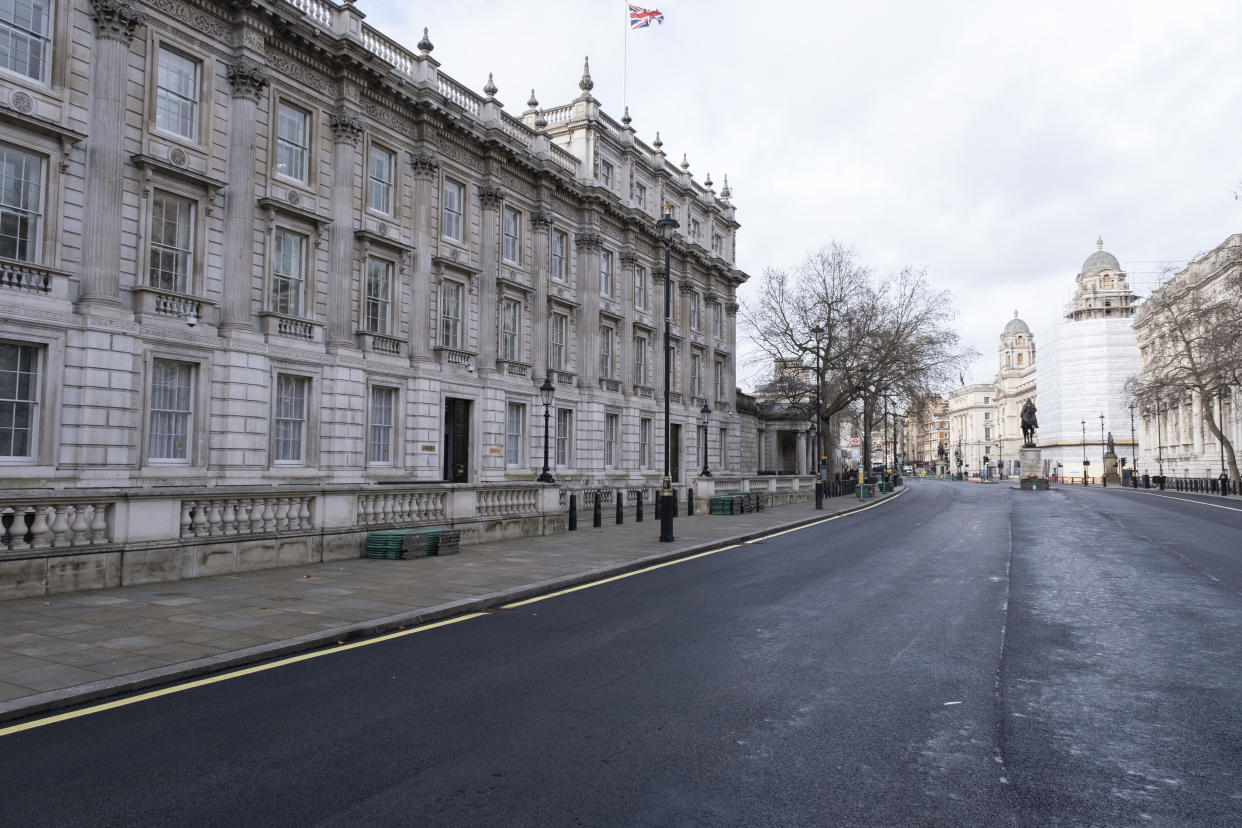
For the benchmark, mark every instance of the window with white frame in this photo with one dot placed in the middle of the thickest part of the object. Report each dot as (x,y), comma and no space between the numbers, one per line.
(605,351)
(640,360)
(19,398)
(560,264)
(696,379)
(673,354)
(288,272)
(381,179)
(724,443)
(720,373)
(717,244)
(640,195)
(717,320)
(379,296)
(510,324)
(382,415)
(172,387)
(605,273)
(515,421)
(612,426)
(640,287)
(176,93)
(560,329)
(694,311)
(21,204)
(172,242)
(606,173)
(564,436)
(25,37)
(695,230)
(644,443)
(512,242)
(292,142)
(451,294)
(290,419)
(453,210)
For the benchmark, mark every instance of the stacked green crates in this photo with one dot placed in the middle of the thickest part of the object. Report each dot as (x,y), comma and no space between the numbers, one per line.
(397,544)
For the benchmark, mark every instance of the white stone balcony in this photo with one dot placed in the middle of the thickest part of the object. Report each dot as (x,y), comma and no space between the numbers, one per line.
(33,279)
(154,303)
(290,327)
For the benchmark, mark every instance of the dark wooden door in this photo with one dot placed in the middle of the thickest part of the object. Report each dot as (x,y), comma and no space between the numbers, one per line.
(456,440)
(675,453)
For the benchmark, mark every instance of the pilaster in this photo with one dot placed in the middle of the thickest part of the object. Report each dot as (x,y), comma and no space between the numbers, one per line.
(426,169)
(589,244)
(247,83)
(491,198)
(346,127)
(541,226)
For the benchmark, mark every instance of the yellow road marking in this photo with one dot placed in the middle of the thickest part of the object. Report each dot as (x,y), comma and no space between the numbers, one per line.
(166,691)
(284,662)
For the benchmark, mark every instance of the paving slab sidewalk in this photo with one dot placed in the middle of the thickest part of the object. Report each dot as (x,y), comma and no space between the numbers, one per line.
(60,650)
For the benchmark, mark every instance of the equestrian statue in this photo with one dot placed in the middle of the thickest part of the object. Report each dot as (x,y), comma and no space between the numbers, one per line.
(1029,424)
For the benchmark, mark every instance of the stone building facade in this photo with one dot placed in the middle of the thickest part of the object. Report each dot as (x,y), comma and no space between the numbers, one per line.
(263,267)
(1173,434)
(1013,386)
(972,427)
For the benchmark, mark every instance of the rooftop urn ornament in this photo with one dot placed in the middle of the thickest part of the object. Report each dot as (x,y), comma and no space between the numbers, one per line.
(425,45)
(489,88)
(532,103)
(685,163)
(657,143)
(1099,242)
(707,182)
(586,84)
(540,121)
(625,119)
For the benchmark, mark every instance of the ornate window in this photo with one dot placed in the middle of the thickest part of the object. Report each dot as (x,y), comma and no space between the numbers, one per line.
(381,180)
(177,94)
(19,398)
(560,267)
(640,287)
(172,242)
(640,360)
(21,204)
(612,425)
(381,417)
(454,207)
(605,351)
(560,328)
(288,272)
(510,324)
(292,142)
(694,311)
(606,173)
(515,418)
(291,397)
(512,242)
(451,294)
(379,296)
(644,443)
(24,41)
(564,436)
(172,387)
(606,286)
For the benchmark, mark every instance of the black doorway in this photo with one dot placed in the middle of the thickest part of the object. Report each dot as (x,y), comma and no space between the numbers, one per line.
(456,440)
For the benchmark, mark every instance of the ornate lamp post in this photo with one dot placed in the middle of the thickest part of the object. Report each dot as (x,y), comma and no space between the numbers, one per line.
(1133,450)
(706,413)
(818,333)
(666,226)
(546,393)
(1159,440)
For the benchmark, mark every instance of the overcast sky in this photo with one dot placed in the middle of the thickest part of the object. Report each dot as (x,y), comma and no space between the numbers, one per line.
(990,145)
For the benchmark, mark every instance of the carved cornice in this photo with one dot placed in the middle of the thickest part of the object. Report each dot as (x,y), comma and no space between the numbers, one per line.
(491,196)
(346,127)
(115,20)
(424,164)
(731,308)
(540,220)
(246,79)
(589,240)
(685,287)
(628,258)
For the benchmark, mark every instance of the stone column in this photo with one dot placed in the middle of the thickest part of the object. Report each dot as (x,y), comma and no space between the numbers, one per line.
(490,199)
(247,84)
(541,224)
(589,243)
(685,288)
(105,149)
(801,453)
(426,168)
(730,324)
(346,127)
(629,261)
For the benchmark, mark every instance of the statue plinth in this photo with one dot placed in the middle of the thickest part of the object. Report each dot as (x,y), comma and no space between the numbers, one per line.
(1032,477)
(1111,476)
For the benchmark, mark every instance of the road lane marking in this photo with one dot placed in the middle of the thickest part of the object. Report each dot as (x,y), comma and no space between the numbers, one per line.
(825,520)
(1192,500)
(284,662)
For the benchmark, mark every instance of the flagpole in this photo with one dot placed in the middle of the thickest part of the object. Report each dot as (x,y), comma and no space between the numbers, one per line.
(625,56)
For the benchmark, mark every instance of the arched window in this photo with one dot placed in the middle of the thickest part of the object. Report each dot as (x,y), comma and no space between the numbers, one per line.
(1019,360)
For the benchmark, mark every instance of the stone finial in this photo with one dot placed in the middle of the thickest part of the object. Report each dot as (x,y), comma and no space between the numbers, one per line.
(532,102)
(540,121)
(625,119)
(1015,314)
(707,182)
(657,143)
(1099,243)
(425,46)
(725,192)
(586,84)
(489,88)
(685,163)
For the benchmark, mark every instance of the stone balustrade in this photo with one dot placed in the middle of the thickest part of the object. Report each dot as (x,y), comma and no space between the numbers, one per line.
(401,508)
(227,516)
(54,525)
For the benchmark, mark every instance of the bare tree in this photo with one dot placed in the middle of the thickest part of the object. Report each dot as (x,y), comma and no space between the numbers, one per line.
(890,337)
(1191,349)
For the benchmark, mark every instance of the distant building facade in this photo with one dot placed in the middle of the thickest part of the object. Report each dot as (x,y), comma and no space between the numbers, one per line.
(1013,386)
(972,427)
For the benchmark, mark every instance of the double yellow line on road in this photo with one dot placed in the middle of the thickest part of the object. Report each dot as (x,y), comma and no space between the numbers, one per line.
(284,662)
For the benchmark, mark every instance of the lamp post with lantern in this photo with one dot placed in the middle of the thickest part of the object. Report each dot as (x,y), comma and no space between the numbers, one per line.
(667,225)
(546,392)
(818,333)
(706,413)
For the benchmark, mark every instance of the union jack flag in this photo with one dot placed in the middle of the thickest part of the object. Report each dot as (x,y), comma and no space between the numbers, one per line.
(641,18)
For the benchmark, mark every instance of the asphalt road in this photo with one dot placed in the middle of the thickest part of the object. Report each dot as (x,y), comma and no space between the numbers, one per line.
(965,654)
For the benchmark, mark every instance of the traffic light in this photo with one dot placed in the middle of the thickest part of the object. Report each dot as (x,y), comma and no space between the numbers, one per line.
(985,459)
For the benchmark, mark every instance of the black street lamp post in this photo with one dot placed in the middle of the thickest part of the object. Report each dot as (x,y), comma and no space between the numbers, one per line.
(1159,441)
(546,392)
(1133,450)
(818,333)
(1085,462)
(667,225)
(706,413)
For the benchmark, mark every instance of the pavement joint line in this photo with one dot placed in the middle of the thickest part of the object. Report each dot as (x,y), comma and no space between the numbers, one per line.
(329,640)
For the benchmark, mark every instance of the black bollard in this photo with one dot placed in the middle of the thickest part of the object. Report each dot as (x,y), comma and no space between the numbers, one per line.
(689,501)
(598,515)
(638,508)
(573,512)
(620,507)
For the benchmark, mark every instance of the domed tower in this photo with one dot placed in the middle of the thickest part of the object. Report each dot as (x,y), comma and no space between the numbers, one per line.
(1101,289)
(1016,351)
